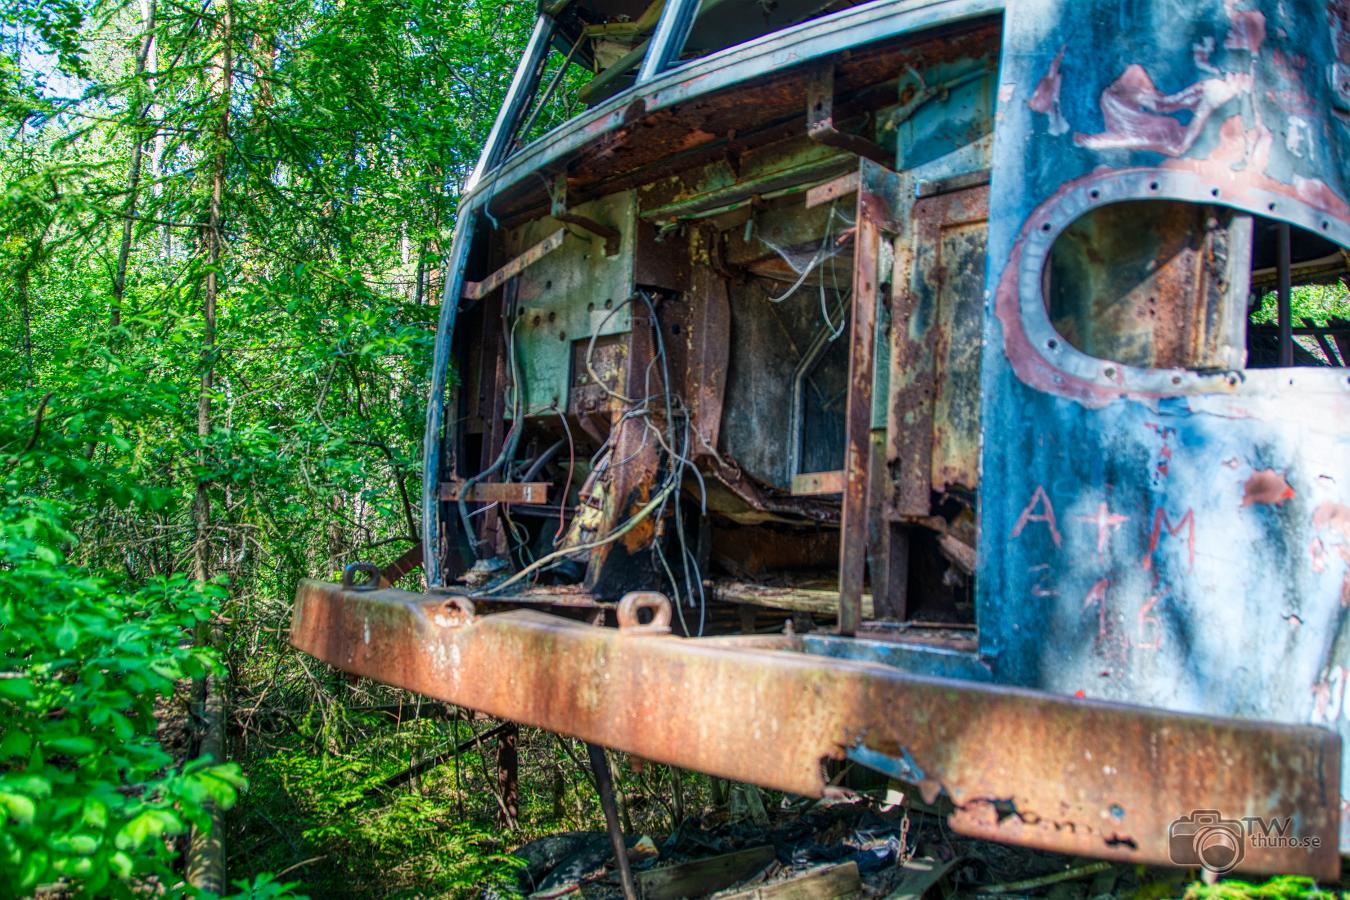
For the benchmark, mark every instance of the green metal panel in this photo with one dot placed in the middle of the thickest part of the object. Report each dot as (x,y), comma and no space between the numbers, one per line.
(567,296)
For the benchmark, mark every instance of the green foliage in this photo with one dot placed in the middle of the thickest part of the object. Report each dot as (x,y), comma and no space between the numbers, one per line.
(365,839)
(88,792)
(1283,887)
(265,887)
(147,460)
(1314,304)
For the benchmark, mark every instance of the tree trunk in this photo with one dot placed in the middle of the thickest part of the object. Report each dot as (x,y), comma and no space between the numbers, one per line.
(206,851)
(156,112)
(22,286)
(211,296)
(141,109)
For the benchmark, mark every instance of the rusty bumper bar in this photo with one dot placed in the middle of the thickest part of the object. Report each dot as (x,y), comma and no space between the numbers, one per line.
(1021,767)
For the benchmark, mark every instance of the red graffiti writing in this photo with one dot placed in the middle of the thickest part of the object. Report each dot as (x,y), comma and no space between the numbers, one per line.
(1161,521)
(1047,515)
(1105,522)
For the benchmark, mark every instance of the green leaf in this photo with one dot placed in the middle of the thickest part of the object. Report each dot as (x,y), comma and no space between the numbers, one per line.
(95,813)
(17,689)
(81,843)
(32,870)
(15,743)
(121,864)
(77,745)
(149,824)
(67,636)
(20,808)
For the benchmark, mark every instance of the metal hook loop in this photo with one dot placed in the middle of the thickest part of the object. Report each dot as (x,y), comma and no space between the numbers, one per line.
(633,603)
(372,580)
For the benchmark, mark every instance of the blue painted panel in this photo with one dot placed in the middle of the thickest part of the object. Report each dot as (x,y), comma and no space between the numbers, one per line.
(1178,539)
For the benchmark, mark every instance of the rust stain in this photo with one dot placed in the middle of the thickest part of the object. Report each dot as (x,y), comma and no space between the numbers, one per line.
(1267,487)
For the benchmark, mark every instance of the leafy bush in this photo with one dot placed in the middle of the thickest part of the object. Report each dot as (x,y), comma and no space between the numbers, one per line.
(363,840)
(87,793)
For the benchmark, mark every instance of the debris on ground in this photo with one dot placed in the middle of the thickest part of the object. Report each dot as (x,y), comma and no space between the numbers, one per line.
(841,846)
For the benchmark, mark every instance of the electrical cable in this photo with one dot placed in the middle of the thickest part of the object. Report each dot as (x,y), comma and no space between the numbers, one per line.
(681,458)
(590,545)
(590,350)
(567,485)
(829,248)
(543,459)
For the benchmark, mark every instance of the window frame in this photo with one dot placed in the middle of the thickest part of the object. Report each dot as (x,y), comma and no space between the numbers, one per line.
(1043,357)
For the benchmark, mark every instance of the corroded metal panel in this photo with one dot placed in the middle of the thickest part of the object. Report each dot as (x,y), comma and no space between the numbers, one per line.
(1166,536)
(935,344)
(1024,767)
(569,294)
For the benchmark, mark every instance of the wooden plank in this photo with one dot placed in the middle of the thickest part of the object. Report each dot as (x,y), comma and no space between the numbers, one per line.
(919,876)
(832,190)
(476,290)
(818,884)
(811,600)
(810,484)
(703,876)
(498,492)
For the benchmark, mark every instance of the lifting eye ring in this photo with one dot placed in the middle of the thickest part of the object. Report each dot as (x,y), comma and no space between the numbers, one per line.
(371,570)
(633,603)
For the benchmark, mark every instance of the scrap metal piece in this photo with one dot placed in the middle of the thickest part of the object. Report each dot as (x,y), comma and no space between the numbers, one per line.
(506,492)
(631,604)
(557,192)
(820,125)
(604,782)
(409,561)
(813,484)
(372,573)
(832,190)
(476,290)
(873,215)
(1021,766)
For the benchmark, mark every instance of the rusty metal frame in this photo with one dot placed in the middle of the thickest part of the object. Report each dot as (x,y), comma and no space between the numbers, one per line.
(1019,766)
(821,128)
(477,290)
(873,216)
(557,191)
(1045,360)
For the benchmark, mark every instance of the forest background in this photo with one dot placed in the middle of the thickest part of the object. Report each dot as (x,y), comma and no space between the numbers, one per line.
(222,226)
(221,233)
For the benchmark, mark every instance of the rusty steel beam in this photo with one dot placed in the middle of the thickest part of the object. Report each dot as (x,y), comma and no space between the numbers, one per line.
(505,492)
(1022,767)
(832,190)
(477,290)
(873,215)
(821,128)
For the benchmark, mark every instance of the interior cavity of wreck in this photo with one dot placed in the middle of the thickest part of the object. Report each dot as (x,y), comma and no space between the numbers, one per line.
(912,382)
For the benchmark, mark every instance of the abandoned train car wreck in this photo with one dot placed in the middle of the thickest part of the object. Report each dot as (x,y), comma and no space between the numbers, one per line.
(887,382)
